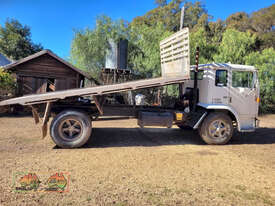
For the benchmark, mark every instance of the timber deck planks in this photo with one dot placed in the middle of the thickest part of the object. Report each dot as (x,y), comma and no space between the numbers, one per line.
(98,90)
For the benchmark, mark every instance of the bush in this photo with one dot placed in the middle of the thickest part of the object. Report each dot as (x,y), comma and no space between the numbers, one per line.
(7,83)
(265,63)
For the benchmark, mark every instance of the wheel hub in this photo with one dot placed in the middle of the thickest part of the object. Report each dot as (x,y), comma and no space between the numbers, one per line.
(219,129)
(70,129)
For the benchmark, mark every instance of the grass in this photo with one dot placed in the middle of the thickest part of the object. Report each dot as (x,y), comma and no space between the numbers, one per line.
(154,199)
(241,187)
(248,196)
(120,204)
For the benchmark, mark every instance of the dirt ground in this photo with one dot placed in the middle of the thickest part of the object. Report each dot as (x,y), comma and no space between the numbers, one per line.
(126,165)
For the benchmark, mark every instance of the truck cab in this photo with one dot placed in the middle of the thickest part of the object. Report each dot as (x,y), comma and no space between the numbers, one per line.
(230,89)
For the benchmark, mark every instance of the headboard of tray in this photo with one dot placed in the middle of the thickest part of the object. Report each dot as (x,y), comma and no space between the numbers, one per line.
(175,54)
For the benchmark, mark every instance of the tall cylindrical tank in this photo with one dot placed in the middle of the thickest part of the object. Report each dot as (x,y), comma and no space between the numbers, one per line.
(116,55)
(122,54)
(111,55)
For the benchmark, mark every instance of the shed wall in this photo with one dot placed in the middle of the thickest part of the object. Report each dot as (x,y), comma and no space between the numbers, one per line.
(34,76)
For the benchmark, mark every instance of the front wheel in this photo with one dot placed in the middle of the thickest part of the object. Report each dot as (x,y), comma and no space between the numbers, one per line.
(71,129)
(216,129)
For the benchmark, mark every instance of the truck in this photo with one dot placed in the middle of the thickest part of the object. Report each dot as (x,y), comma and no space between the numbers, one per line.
(214,99)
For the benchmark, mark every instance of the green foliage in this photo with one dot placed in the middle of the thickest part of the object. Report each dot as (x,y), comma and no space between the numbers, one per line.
(193,13)
(239,21)
(265,63)
(89,46)
(173,90)
(144,55)
(15,40)
(235,46)
(161,3)
(7,82)
(169,14)
(207,48)
(267,40)
(263,21)
(215,31)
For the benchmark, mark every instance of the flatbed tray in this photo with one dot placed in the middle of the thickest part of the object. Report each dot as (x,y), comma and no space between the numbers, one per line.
(98,90)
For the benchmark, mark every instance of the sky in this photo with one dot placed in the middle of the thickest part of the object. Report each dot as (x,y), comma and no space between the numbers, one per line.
(52,22)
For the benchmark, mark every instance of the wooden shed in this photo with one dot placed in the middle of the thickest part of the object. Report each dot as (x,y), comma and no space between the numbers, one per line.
(45,72)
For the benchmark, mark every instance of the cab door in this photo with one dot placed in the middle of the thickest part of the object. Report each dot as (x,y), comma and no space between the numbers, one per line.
(244,93)
(219,88)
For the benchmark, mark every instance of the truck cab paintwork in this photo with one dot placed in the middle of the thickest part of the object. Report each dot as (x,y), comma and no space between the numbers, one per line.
(230,87)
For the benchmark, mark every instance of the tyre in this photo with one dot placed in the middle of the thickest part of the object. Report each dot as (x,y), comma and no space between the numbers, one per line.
(216,129)
(71,129)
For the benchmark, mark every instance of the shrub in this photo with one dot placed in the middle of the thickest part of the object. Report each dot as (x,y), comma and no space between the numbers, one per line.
(7,83)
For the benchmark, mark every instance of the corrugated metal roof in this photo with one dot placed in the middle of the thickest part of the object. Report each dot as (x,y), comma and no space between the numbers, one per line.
(4,60)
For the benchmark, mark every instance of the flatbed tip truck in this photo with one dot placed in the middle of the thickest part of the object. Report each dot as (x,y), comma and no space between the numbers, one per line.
(213,99)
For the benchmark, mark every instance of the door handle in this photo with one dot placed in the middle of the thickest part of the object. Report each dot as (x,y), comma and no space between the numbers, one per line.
(230,99)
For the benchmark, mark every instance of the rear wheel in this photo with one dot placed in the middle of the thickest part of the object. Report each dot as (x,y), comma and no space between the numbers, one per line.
(216,129)
(71,129)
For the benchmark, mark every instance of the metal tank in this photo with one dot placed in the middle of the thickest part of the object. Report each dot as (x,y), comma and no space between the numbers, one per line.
(122,54)
(111,55)
(116,55)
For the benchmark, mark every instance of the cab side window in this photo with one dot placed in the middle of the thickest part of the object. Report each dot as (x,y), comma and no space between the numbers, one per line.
(242,79)
(221,78)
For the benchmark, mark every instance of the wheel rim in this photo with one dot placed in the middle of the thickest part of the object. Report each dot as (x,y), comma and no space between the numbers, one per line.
(70,129)
(219,130)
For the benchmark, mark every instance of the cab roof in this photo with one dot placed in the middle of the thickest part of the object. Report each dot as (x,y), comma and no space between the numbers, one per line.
(225,66)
